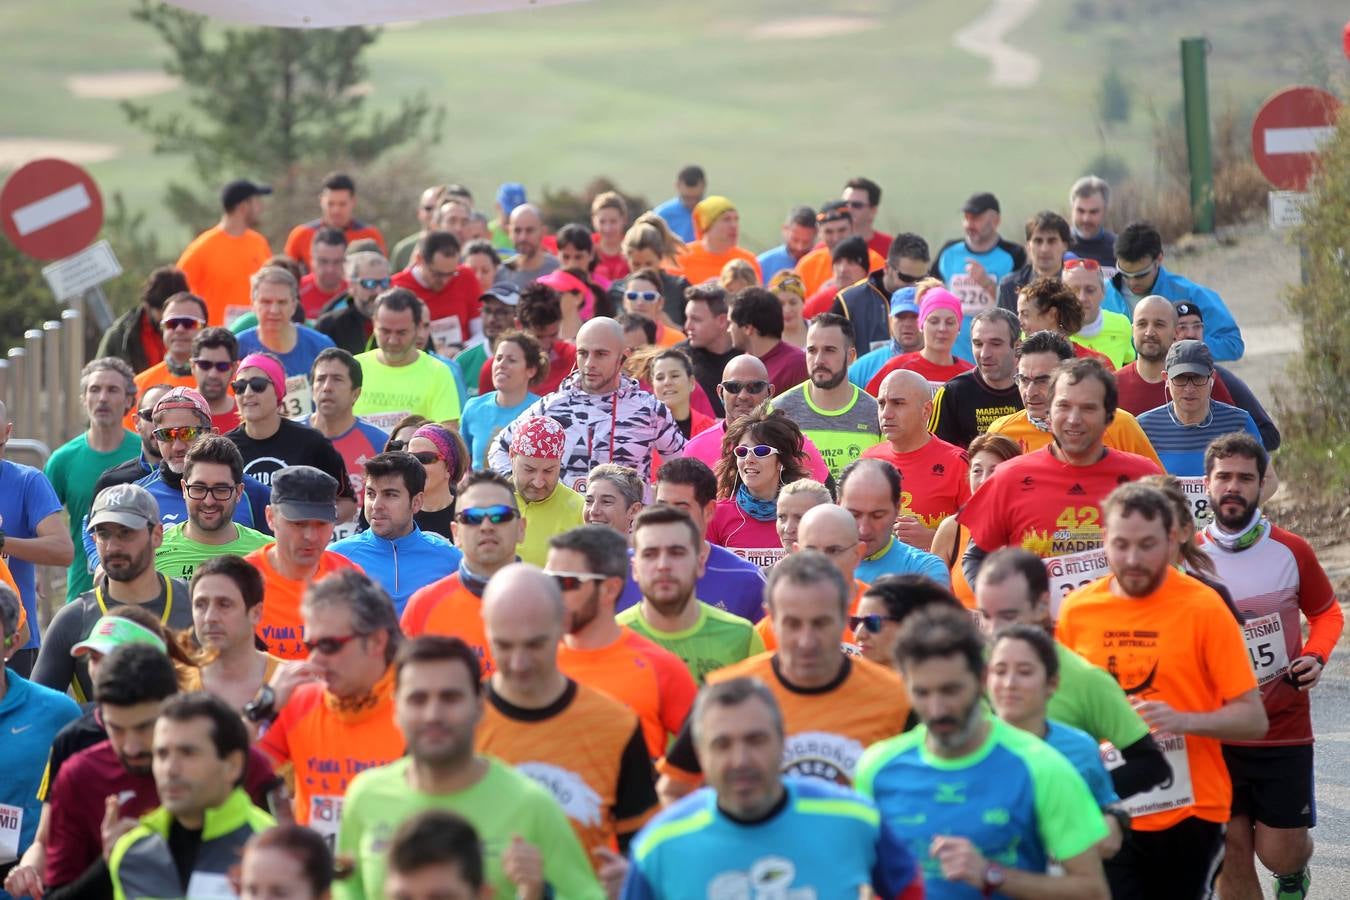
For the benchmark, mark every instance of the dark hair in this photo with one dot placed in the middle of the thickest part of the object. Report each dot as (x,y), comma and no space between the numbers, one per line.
(1143,499)
(339,181)
(538,306)
(809,568)
(437,837)
(330,237)
(479,245)
(764,426)
(602,304)
(831,210)
(399,299)
(228,733)
(647,274)
(692,175)
(535,355)
(881,467)
(370,606)
(694,473)
(304,845)
(134,673)
(1239,443)
(1046,220)
(161,284)
(1138,240)
(852,249)
(734,692)
(215,448)
(834,320)
(437,242)
(1075,370)
(907,245)
(712,293)
(939,632)
(633,321)
(999,314)
(1006,562)
(578,237)
(606,550)
(438,648)
(398,462)
(906,594)
(475,477)
(342,356)
(214,336)
(1035,637)
(245,576)
(758,308)
(411,420)
(188,297)
(866,184)
(665,514)
(1045,342)
(1049,293)
(804,216)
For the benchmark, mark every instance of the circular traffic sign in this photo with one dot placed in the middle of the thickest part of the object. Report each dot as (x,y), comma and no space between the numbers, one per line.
(1287,132)
(50,209)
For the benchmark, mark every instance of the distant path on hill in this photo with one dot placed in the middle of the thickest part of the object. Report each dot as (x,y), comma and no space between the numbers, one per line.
(984,37)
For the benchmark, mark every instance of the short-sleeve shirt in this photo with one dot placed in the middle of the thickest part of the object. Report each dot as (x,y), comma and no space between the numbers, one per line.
(26,498)
(356,445)
(447,607)
(452,308)
(483,418)
(700,264)
(937,375)
(292,444)
(1047,506)
(1123,433)
(1085,755)
(1180,645)
(1182,447)
(31,716)
(786,365)
(934,480)
(1089,699)
(842,435)
(178,556)
(736,583)
(1138,396)
(754,540)
(715,641)
(388,393)
(950,266)
(281,626)
(964,407)
(299,399)
(899,558)
(218,266)
(1016,798)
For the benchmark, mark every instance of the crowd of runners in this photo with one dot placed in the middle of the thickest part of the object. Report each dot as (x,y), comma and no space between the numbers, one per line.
(617,560)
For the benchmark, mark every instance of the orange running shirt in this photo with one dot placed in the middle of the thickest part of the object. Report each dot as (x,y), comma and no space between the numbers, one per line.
(1123,433)
(765,625)
(327,746)
(816,267)
(934,480)
(218,266)
(1182,646)
(648,679)
(301,236)
(698,264)
(827,728)
(449,608)
(1047,506)
(281,626)
(587,750)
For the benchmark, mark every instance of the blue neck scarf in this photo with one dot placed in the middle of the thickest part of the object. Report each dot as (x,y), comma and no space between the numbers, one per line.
(755,508)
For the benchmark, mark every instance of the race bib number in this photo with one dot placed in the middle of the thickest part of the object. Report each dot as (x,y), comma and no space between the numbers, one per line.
(11,823)
(325,815)
(447,336)
(760,556)
(1070,572)
(1264,637)
(384,421)
(974,298)
(1174,793)
(210,886)
(1194,488)
(344,529)
(298,402)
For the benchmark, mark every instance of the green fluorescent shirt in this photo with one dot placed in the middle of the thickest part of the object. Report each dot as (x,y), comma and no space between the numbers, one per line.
(560,512)
(717,640)
(73,469)
(502,804)
(425,388)
(179,555)
(1089,699)
(841,435)
(1115,339)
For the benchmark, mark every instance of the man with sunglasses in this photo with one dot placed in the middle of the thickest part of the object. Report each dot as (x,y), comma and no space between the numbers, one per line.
(488,527)
(148,459)
(590,564)
(108,392)
(1140,272)
(347,318)
(1106,330)
(126,526)
(870,305)
(707,343)
(215,355)
(183,319)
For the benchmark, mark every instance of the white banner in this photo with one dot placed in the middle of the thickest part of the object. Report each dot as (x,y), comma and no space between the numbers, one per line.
(344,13)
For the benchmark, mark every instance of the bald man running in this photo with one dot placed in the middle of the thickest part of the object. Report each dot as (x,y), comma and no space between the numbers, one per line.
(607,416)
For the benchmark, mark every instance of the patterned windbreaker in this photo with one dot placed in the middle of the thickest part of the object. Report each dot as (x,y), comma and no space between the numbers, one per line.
(624,427)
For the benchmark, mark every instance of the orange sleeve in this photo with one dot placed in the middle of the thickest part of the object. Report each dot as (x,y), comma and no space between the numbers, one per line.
(297,243)
(678,691)
(1317,601)
(764,628)
(876,262)
(1128,436)
(414,620)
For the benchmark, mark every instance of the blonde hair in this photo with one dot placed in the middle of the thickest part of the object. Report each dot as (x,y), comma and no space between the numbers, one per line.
(610,200)
(737,270)
(650,232)
(808,486)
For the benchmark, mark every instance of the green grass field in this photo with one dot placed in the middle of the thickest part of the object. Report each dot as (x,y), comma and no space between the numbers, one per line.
(557,95)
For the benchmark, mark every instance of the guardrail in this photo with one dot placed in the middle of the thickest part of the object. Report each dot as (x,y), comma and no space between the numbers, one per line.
(40,381)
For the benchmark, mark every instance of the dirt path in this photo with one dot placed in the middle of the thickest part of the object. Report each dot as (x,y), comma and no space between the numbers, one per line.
(984,37)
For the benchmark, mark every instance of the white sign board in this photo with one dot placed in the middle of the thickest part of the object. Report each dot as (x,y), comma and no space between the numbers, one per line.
(1286,209)
(76,274)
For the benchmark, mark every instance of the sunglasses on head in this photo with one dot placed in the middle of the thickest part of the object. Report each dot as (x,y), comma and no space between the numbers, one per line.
(185,433)
(181,322)
(1087,265)
(760,451)
(570,581)
(371,284)
(754,387)
(206,365)
(330,645)
(257,384)
(477,515)
(872,623)
(427,457)
(648,296)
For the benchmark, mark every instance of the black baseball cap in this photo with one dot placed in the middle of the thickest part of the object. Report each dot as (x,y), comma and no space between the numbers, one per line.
(238,191)
(981,203)
(1187,308)
(304,494)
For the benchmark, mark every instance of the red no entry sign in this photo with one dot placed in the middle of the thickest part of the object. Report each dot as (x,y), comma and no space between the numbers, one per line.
(50,209)
(1287,132)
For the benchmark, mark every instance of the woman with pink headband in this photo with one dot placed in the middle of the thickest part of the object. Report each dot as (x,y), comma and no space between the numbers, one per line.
(443,454)
(940,322)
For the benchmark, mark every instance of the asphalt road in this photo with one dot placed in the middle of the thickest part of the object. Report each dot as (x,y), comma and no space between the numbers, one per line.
(1331,725)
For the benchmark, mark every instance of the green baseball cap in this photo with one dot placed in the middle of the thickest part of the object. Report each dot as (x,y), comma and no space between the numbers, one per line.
(110,632)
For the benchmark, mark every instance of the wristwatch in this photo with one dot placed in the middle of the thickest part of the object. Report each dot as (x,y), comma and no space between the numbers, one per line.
(994,876)
(263,707)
